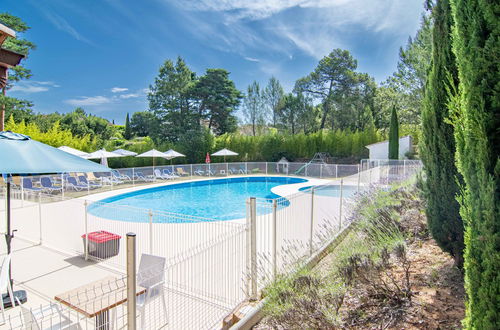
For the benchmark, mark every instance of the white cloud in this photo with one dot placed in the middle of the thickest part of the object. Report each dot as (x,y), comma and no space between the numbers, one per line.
(251,59)
(313,26)
(129,96)
(33,86)
(63,25)
(89,101)
(118,90)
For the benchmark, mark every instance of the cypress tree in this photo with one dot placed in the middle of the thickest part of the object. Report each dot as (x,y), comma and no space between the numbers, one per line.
(394,135)
(127,134)
(476,46)
(438,143)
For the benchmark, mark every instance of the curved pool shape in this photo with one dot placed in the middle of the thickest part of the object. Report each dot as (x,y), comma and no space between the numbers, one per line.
(331,190)
(220,199)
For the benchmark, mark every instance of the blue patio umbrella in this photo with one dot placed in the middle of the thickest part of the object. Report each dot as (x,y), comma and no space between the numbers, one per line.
(20,155)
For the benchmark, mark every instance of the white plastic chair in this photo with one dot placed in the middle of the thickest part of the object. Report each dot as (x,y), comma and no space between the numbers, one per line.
(151,275)
(5,284)
(47,317)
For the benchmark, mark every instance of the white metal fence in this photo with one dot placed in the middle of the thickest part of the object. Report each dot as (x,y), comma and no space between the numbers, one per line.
(212,265)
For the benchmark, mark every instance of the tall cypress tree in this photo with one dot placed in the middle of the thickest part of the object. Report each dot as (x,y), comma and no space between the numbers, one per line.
(127,134)
(438,143)
(394,135)
(476,45)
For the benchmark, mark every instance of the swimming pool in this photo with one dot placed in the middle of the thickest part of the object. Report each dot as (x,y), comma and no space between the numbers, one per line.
(221,199)
(332,190)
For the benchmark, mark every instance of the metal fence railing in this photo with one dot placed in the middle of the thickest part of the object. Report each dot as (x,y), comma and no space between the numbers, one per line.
(211,266)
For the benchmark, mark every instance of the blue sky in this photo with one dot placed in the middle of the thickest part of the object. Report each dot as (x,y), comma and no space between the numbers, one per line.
(103,54)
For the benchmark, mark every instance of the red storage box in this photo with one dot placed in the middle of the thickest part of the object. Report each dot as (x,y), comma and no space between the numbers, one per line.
(102,244)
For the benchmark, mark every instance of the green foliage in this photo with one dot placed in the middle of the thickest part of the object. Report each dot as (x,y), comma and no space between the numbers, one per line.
(341,91)
(253,107)
(144,123)
(406,86)
(394,135)
(217,98)
(18,45)
(169,99)
(273,93)
(476,120)
(438,144)
(56,136)
(127,134)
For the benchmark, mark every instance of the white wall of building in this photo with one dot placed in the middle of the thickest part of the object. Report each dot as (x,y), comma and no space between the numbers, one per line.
(380,150)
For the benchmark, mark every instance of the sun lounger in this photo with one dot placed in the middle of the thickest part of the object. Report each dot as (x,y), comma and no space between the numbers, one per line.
(28,185)
(169,173)
(47,185)
(71,183)
(140,176)
(83,181)
(120,176)
(159,175)
(181,172)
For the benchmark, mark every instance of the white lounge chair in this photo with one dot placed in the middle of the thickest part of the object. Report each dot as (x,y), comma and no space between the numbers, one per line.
(47,317)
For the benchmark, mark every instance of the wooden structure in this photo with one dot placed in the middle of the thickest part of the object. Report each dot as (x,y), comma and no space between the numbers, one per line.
(8,59)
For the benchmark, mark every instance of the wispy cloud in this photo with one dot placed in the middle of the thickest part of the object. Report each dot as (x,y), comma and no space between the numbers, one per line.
(314,27)
(251,59)
(129,96)
(89,101)
(62,24)
(118,90)
(33,86)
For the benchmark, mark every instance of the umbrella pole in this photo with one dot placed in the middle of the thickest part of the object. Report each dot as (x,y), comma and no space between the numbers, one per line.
(21,294)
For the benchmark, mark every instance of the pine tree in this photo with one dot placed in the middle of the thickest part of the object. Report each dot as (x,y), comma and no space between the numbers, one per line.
(127,134)
(438,143)
(476,45)
(394,135)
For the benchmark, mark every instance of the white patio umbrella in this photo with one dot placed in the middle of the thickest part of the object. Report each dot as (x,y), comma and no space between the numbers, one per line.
(124,152)
(74,151)
(171,154)
(153,153)
(103,155)
(225,152)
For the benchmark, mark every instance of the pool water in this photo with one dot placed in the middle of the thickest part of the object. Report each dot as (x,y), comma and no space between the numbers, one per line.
(332,190)
(220,199)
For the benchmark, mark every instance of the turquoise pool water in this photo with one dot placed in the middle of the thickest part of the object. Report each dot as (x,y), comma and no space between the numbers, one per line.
(332,190)
(221,199)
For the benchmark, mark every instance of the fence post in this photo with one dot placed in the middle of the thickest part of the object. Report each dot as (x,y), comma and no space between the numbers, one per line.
(150,215)
(62,186)
(133,176)
(22,192)
(404,168)
(191,170)
(321,171)
(275,236)
(305,172)
(227,169)
(40,215)
(252,253)
(246,167)
(336,170)
(311,231)
(340,207)
(359,175)
(86,252)
(131,284)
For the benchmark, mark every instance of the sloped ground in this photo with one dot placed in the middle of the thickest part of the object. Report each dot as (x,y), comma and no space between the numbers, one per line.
(378,298)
